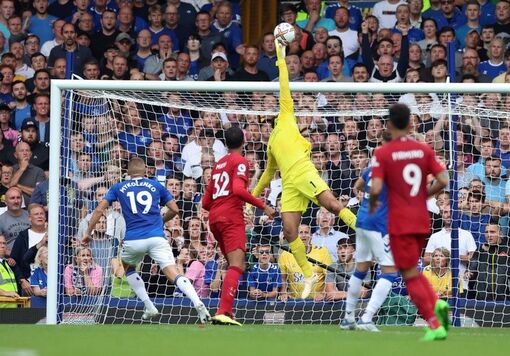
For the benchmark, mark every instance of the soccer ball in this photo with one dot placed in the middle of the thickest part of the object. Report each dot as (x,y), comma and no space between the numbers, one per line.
(284,33)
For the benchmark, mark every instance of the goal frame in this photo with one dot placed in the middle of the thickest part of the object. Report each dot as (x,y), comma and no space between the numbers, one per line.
(57,86)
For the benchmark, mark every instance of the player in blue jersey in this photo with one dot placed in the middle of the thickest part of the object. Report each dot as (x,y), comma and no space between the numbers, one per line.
(372,243)
(140,199)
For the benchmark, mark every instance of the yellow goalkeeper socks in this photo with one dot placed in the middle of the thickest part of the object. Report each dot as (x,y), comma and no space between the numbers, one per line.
(348,218)
(298,250)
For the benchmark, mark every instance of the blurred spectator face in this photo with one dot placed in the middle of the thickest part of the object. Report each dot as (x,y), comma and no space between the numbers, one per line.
(38,62)
(437,53)
(396,37)
(76,143)
(319,52)
(345,253)
(264,254)
(13,198)
(100,193)
(19,91)
(335,65)
(29,135)
(42,81)
(429,29)
(251,56)
(311,77)
(118,153)
(125,15)
(504,137)
(18,50)
(110,54)
(305,234)
(183,62)
(170,69)
(268,43)
(6,177)
(293,65)
(112,174)
(7,9)
(360,74)
(333,144)
(156,151)
(470,61)
(171,16)
(439,259)
(472,12)
(493,169)
(385,65)
(439,71)
(321,35)
(319,160)
(59,68)
(171,145)
(40,6)
(23,151)
(373,24)
(475,205)
(173,186)
(486,149)
(193,44)
(493,234)
(307,60)
(88,123)
(10,61)
(414,53)
(496,49)
(155,18)
(42,105)
(333,47)
(81,5)
(374,128)
(202,22)
(446,37)
(289,16)
(165,43)
(219,64)
(32,45)
(86,23)
(108,20)
(144,39)
(120,66)
(447,7)
(446,215)
(502,11)
(415,7)
(403,14)
(69,35)
(14,25)
(412,76)
(84,163)
(325,219)
(488,34)
(385,48)
(359,160)
(189,188)
(350,129)
(57,29)
(224,15)
(91,71)
(156,129)
(342,18)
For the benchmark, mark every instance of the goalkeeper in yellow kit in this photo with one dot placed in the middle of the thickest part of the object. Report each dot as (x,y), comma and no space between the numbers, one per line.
(289,152)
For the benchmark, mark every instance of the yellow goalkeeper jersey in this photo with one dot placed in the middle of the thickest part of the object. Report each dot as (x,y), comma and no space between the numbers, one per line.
(287,150)
(294,276)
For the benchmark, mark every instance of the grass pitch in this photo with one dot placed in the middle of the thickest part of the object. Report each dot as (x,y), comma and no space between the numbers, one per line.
(280,340)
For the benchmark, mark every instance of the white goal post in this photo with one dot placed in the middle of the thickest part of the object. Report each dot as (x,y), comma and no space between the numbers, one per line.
(121,89)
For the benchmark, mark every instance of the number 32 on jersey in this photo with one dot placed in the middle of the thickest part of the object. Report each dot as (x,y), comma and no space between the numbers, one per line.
(222,181)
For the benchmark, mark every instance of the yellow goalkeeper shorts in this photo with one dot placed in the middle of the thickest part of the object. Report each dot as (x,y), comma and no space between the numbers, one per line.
(299,190)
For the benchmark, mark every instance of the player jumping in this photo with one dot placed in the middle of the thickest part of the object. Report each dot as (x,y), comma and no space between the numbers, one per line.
(224,198)
(140,199)
(403,165)
(372,242)
(289,152)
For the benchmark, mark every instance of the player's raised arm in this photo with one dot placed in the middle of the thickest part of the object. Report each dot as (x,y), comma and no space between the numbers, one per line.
(267,176)
(439,183)
(172,210)
(96,215)
(286,102)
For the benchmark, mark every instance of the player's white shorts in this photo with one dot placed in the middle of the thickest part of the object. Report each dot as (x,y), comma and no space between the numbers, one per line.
(133,251)
(371,245)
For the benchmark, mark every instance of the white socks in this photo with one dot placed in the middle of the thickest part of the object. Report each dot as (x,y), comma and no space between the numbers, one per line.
(381,290)
(138,286)
(187,288)
(353,293)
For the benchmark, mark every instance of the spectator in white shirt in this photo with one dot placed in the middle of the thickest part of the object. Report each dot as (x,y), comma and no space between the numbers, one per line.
(326,235)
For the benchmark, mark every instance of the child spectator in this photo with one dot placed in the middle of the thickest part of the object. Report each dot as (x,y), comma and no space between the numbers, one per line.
(39,278)
(264,278)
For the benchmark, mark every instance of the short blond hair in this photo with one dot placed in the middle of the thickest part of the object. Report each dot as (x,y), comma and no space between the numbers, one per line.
(136,167)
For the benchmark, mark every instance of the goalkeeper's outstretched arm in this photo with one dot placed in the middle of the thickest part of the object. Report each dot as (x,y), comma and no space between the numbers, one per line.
(286,102)
(267,176)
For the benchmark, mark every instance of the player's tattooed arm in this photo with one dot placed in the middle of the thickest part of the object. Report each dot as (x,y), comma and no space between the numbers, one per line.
(441,181)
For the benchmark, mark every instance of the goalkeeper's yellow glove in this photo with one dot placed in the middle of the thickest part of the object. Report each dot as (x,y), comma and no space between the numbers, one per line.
(348,217)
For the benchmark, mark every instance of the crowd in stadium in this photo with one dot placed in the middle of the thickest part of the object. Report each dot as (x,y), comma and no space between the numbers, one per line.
(193,40)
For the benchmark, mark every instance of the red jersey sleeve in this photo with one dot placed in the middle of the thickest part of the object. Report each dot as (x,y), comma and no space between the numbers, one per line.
(207,198)
(435,165)
(377,164)
(240,180)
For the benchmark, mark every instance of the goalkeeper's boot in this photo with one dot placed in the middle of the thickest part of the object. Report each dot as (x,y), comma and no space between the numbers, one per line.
(367,326)
(150,313)
(435,334)
(225,319)
(347,324)
(203,313)
(308,285)
(442,310)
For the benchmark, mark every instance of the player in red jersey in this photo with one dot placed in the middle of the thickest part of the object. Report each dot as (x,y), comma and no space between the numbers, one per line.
(404,165)
(224,198)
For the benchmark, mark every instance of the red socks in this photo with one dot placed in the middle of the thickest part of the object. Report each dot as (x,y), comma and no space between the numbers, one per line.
(424,298)
(229,290)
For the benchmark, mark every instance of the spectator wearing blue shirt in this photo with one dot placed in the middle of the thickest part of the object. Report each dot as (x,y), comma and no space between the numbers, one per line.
(264,279)
(177,121)
(157,154)
(495,65)
(450,15)
(494,183)
(404,24)
(486,150)
(39,278)
(503,146)
(134,136)
(157,30)
(434,11)
(487,11)
(355,17)
(472,11)
(231,32)
(474,220)
(314,19)
(267,58)
(40,23)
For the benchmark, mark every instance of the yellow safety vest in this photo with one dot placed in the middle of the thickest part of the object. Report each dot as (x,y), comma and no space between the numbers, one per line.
(7,282)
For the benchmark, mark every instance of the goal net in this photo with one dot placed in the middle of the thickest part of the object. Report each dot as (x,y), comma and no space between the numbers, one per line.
(177,128)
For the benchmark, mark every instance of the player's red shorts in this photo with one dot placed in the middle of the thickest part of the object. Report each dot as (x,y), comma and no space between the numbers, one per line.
(407,249)
(230,236)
